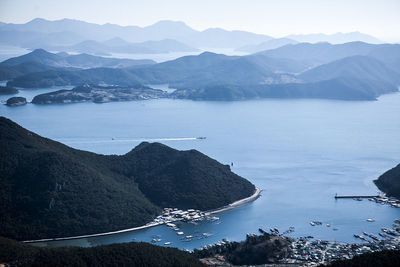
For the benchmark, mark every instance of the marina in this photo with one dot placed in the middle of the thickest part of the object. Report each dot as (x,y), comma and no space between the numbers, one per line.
(307,251)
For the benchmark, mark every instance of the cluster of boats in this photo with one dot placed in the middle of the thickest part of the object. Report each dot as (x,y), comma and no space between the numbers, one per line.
(184,238)
(387,234)
(395,203)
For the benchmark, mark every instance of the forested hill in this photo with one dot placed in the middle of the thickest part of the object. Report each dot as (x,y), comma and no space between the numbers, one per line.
(127,254)
(50,190)
(389,182)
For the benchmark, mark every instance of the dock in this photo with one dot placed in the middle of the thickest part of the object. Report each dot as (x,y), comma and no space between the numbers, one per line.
(336,196)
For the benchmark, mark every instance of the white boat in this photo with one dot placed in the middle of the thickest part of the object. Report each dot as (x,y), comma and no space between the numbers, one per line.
(179,233)
(167,243)
(370,220)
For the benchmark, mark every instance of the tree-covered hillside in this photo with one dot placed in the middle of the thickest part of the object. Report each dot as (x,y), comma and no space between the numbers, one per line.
(50,190)
(389,182)
(127,254)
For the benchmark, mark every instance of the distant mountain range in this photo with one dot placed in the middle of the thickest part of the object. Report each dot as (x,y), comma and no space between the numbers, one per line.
(41,60)
(352,71)
(118,45)
(41,33)
(64,60)
(267,45)
(50,190)
(336,38)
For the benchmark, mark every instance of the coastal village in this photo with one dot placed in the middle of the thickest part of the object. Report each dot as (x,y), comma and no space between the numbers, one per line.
(307,251)
(170,215)
(304,251)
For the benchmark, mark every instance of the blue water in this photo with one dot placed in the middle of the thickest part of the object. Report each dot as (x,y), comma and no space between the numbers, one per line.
(300,152)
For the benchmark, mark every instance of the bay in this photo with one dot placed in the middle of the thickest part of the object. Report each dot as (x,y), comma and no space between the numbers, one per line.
(300,152)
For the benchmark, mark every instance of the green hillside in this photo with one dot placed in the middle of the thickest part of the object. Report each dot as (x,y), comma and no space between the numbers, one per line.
(389,182)
(127,254)
(50,190)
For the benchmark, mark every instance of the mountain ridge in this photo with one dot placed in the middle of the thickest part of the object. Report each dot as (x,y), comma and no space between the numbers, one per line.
(176,30)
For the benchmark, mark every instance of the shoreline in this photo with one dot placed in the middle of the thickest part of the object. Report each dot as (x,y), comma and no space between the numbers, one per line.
(233,205)
(238,203)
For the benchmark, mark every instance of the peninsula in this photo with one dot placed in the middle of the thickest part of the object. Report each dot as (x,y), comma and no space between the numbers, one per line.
(99,94)
(50,190)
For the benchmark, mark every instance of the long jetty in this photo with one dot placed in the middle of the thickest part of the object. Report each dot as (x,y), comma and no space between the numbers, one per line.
(336,196)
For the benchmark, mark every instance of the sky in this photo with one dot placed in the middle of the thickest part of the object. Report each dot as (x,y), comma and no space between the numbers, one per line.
(380,18)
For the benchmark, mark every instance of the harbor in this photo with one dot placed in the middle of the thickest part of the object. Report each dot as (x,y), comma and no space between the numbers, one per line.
(381,199)
(168,216)
(307,251)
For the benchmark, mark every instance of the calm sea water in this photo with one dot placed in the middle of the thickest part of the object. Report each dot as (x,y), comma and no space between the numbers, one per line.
(300,152)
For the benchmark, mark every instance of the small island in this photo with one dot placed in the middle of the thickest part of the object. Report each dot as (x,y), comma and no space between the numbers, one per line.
(16,101)
(99,94)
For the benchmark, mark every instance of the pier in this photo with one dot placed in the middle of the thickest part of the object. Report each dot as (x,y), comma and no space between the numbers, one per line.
(336,196)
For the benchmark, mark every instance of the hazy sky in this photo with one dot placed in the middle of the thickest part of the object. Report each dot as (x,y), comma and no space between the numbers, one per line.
(380,18)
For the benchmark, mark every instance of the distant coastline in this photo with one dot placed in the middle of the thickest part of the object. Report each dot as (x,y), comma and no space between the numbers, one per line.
(233,205)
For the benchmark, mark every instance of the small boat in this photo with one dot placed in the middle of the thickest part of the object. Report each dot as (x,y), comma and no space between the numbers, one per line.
(370,220)
(201,137)
(179,233)
(328,225)
(189,236)
(167,243)
(373,237)
(392,232)
(312,223)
